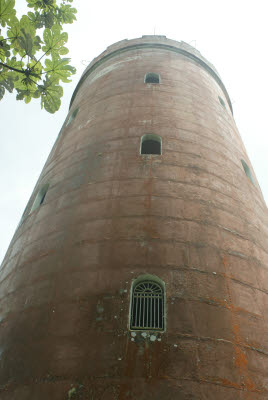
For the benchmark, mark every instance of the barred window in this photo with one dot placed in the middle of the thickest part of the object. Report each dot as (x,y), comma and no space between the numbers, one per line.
(147,308)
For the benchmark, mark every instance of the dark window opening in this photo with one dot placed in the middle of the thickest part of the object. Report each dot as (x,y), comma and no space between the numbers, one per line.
(43,198)
(72,116)
(40,197)
(151,77)
(147,308)
(247,171)
(222,102)
(151,144)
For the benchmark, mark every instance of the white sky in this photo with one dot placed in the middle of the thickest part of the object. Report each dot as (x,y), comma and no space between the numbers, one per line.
(231,34)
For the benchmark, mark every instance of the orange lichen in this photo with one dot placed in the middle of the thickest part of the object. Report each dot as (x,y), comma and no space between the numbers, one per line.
(226,382)
(220,302)
(240,358)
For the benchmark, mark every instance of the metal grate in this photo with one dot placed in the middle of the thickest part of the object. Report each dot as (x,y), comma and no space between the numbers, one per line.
(147,309)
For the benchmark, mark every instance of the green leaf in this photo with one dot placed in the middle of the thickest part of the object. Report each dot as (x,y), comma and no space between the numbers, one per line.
(13,63)
(7,11)
(23,37)
(26,86)
(26,24)
(48,19)
(7,79)
(32,3)
(24,70)
(31,15)
(27,42)
(25,83)
(41,4)
(25,94)
(36,19)
(35,68)
(44,18)
(4,49)
(13,34)
(2,91)
(50,96)
(59,69)
(54,41)
(66,14)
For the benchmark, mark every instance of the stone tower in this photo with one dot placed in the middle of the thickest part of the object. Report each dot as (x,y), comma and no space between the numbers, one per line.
(139,269)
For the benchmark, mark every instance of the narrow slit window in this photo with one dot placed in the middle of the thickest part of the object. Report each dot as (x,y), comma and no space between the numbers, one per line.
(247,171)
(152,77)
(40,197)
(72,116)
(147,308)
(151,144)
(222,102)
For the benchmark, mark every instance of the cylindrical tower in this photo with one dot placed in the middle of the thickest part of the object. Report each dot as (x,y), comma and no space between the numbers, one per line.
(139,269)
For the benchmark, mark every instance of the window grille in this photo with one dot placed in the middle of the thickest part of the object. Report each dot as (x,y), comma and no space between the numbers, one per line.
(152,77)
(147,308)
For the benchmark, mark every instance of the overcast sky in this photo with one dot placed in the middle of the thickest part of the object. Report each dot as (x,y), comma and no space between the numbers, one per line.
(231,34)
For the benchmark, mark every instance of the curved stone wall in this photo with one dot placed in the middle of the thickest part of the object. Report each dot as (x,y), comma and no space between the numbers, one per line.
(191,217)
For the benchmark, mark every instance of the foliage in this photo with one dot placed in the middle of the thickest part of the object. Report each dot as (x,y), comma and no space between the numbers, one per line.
(31,51)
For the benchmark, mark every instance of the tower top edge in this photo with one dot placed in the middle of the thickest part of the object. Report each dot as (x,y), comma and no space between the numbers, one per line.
(152,41)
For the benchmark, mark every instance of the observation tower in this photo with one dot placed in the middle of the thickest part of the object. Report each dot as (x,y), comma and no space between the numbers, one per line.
(139,268)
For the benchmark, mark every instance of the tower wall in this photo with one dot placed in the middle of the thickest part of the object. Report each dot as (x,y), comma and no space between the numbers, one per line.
(190,217)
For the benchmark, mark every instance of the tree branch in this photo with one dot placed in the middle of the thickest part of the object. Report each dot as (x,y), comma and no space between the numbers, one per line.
(46,72)
(21,71)
(9,38)
(40,58)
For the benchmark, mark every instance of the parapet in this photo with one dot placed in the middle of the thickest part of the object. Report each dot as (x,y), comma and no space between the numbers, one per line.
(153,41)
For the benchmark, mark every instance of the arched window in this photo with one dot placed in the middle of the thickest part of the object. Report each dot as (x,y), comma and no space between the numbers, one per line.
(152,77)
(147,306)
(72,116)
(151,144)
(40,197)
(247,171)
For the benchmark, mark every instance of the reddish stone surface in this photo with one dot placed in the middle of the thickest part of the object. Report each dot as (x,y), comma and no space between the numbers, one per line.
(190,216)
